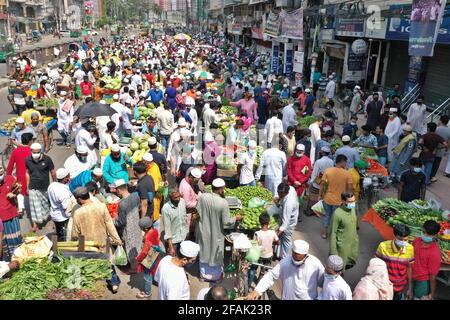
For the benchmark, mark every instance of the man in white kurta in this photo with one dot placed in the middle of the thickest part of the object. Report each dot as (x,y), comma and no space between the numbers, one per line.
(301,275)
(393,131)
(289,117)
(79,162)
(87,138)
(315,136)
(273,166)
(273,126)
(288,218)
(171,277)
(416,116)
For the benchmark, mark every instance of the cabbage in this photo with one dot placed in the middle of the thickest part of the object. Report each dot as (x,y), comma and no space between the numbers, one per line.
(144,145)
(134,146)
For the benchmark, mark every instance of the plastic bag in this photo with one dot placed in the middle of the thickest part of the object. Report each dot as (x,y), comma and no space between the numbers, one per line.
(435,205)
(120,257)
(256,202)
(33,248)
(253,254)
(421,205)
(318,207)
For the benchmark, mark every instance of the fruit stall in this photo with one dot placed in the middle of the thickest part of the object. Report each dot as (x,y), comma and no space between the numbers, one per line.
(387,212)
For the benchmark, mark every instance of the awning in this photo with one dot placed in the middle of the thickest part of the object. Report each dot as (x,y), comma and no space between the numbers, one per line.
(335,50)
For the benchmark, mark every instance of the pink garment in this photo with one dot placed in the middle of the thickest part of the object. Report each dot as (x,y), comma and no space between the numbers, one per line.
(249,106)
(247,123)
(188,194)
(375,285)
(210,154)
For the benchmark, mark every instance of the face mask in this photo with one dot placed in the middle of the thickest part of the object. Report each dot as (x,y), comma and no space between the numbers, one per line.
(330,277)
(426,239)
(36,156)
(401,243)
(298,263)
(417,170)
(298,155)
(2,177)
(251,152)
(18,128)
(351,205)
(353,123)
(82,158)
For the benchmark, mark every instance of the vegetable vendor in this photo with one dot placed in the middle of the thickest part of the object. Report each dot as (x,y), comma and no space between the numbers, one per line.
(6,267)
(82,179)
(115,167)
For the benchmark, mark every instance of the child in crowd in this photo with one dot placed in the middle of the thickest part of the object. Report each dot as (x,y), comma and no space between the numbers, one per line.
(266,239)
(149,257)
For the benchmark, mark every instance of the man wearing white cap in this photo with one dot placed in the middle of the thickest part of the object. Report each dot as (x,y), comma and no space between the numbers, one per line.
(351,153)
(324,162)
(301,275)
(299,170)
(85,177)
(214,215)
(114,167)
(166,124)
(171,276)
(190,192)
(61,202)
(273,166)
(78,162)
(121,117)
(334,286)
(393,131)
(19,130)
(86,136)
(246,163)
(39,166)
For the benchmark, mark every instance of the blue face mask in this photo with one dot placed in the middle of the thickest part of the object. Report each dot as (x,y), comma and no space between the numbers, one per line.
(401,243)
(329,277)
(417,170)
(351,205)
(426,239)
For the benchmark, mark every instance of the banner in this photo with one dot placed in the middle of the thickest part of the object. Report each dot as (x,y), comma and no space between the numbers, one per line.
(426,17)
(355,66)
(298,61)
(292,24)
(416,73)
(275,57)
(236,28)
(350,27)
(288,59)
(272,27)
(398,29)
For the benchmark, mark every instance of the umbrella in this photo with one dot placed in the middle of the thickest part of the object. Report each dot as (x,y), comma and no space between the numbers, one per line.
(201,74)
(94,109)
(182,36)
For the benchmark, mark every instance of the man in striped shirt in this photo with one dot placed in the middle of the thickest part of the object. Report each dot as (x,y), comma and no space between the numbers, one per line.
(398,255)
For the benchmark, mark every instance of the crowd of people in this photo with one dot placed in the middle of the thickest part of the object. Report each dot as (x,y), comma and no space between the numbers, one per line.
(185,140)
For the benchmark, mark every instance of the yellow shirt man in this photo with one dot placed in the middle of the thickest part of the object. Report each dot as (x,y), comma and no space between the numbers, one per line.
(154,172)
(27,115)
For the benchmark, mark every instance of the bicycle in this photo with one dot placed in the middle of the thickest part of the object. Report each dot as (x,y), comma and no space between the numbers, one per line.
(263,269)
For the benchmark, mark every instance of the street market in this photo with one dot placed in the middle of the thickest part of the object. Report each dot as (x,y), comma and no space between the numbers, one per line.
(184,155)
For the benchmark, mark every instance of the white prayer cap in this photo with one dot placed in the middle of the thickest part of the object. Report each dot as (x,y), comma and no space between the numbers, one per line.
(300,247)
(218,183)
(198,93)
(182,122)
(308,90)
(285,86)
(63,93)
(97,172)
(20,120)
(183,94)
(61,173)
(126,80)
(357,88)
(119,182)
(44,78)
(176,136)
(115,148)
(393,109)
(152,141)
(209,137)
(82,149)
(196,173)
(252,144)
(77,67)
(346,138)
(189,249)
(102,102)
(147,157)
(169,82)
(116,97)
(36,146)
(300,147)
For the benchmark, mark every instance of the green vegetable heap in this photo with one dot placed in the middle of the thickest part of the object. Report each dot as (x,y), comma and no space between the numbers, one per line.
(250,218)
(246,193)
(390,207)
(305,122)
(36,279)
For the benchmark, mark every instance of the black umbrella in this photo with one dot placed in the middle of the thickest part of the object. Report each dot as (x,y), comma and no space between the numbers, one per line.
(94,109)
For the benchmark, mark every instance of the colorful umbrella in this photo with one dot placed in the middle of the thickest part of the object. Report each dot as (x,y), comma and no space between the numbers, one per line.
(201,74)
(182,36)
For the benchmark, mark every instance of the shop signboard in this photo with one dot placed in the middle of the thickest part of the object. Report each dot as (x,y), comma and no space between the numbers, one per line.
(350,27)
(292,24)
(298,61)
(275,57)
(288,59)
(399,28)
(355,66)
(236,28)
(272,26)
(426,17)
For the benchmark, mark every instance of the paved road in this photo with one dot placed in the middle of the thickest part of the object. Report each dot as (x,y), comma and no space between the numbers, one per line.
(308,229)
